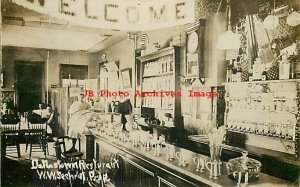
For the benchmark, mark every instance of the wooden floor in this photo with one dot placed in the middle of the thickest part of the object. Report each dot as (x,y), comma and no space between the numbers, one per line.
(18,173)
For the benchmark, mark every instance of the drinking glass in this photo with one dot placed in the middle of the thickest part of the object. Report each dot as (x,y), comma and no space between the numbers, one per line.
(200,162)
(215,153)
(169,151)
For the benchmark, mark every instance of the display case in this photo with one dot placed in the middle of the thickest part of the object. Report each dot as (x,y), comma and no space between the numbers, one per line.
(265,113)
(158,82)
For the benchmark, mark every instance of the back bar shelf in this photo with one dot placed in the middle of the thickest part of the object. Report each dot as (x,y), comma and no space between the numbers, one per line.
(266,113)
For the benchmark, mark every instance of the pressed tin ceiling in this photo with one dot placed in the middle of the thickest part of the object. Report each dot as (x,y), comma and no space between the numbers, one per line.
(26,28)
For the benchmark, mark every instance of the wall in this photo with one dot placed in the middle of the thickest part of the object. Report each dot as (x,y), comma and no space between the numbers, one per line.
(12,54)
(214,62)
(56,58)
(123,54)
(215,69)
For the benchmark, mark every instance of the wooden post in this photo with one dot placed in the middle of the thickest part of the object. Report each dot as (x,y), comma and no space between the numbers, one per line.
(90,146)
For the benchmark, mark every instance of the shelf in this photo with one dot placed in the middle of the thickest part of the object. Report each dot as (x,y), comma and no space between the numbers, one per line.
(164,103)
(158,108)
(159,90)
(159,126)
(159,75)
(287,158)
(158,54)
(257,82)
(269,137)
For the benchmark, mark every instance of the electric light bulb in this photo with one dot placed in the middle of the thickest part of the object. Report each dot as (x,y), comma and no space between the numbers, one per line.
(229,40)
(293,19)
(271,22)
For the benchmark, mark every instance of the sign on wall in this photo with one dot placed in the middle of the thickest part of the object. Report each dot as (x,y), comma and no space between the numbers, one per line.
(132,15)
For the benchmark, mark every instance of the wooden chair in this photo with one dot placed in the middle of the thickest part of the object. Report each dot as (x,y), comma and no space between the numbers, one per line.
(37,135)
(67,157)
(10,133)
(62,151)
(37,119)
(73,157)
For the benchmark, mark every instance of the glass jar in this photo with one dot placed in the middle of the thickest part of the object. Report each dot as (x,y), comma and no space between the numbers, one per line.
(244,165)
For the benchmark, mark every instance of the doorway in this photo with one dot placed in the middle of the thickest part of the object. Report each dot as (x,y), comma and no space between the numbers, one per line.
(29,78)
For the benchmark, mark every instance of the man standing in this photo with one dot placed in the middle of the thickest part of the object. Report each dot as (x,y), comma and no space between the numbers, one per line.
(77,106)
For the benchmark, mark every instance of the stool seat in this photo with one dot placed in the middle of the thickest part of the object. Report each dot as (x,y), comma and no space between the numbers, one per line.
(72,154)
(62,153)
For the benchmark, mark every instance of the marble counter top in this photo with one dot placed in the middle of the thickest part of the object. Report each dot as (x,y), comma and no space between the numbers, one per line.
(173,168)
(284,157)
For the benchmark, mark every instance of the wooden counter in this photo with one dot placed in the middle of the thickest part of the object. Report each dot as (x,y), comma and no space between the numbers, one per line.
(169,173)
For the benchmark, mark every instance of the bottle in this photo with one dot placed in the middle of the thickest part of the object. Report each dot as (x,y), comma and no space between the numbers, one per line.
(239,75)
(2,77)
(281,70)
(264,74)
(166,65)
(287,67)
(146,69)
(171,64)
(284,68)
(234,74)
(257,70)
(292,68)
(250,75)
(228,73)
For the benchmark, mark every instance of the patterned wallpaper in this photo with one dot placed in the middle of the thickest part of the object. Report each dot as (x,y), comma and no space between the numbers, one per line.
(8,96)
(242,56)
(285,33)
(239,8)
(205,8)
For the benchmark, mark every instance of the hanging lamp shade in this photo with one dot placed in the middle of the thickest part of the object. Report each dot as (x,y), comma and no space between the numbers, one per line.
(103,57)
(229,40)
(271,22)
(144,40)
(293,19)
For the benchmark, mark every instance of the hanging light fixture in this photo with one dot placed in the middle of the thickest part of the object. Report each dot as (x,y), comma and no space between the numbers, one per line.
(228,40)
(271,21)
(144,40)
(293,19)
(69,70)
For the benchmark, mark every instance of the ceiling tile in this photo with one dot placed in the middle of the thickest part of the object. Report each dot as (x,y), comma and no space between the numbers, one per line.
(24,36)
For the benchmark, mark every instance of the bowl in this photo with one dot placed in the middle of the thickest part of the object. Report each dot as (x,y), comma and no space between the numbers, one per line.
(244,165)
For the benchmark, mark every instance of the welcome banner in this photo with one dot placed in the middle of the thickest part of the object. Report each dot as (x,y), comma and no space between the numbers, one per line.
(128,15)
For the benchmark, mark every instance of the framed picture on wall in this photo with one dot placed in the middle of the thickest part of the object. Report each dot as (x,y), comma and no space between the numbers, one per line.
(195,66)
(126,77)
(113,80)
(192,65)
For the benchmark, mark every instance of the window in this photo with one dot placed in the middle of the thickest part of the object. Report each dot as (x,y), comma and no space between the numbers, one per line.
(72,75)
